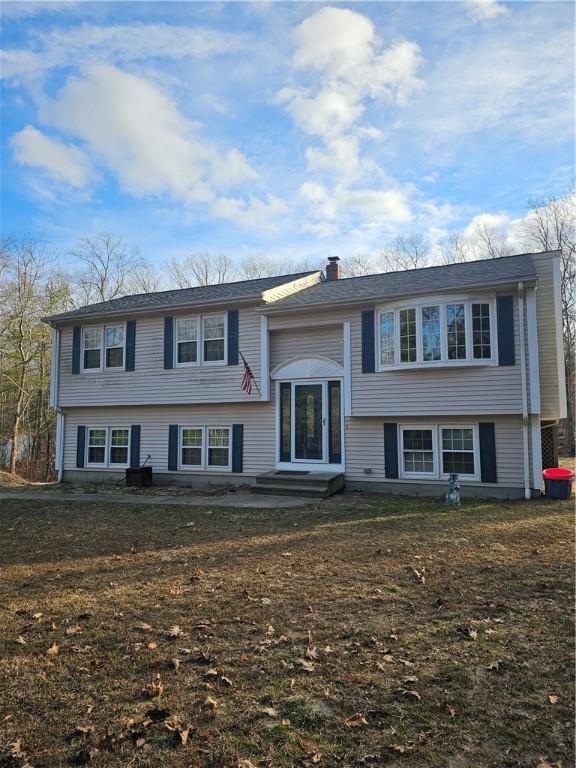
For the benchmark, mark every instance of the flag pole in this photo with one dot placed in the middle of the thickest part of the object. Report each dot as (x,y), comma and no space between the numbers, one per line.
(251,374)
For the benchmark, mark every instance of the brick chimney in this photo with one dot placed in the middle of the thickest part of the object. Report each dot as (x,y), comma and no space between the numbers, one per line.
(333,268)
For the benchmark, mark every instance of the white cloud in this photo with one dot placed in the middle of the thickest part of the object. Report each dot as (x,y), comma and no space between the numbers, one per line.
(142,136)
(339,50)
(119,43)
(22,10)
(61,162)
(494,85)
(485,10)
(253,213)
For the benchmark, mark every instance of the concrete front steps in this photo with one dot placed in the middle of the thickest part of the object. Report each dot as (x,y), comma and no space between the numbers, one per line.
(282,482)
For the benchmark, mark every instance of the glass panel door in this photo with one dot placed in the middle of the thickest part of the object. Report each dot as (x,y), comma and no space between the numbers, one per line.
(308,422)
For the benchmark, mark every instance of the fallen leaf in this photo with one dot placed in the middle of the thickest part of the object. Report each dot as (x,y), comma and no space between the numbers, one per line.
(211,704)
(152,646)
(154,689)
(494,665)
(451,710)
(412,695)
(270,711)
(311,653)
(175,631)
(553,698)
(355,721)
(53,650)
(141,625)
(175,664)
(306,666)
(244,763)
(21,640)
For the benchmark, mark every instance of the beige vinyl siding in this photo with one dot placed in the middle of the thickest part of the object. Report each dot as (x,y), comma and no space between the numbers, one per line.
(258,421)
(321,341)
(150,383)
(420,391)
(548,339)
(365,448)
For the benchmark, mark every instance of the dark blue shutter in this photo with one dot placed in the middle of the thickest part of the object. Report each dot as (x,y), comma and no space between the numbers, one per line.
(76,336)
(505,318)
(368,345)
(135,445)
(130,344)
(232,337)
(487,437)
(80,446)
(168,342)
(173,447)
(237,447)
(391,450)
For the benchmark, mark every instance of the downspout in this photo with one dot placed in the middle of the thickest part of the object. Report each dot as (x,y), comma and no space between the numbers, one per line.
(521,314)
(54,393)
(60,443)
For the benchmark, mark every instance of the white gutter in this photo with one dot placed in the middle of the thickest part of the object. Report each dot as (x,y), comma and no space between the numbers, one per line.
(524,391)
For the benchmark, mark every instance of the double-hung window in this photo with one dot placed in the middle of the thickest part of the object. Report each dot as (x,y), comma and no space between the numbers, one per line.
(439,333)
(205,448)
(213,334)
(200,340)
(418,455)
(434,451)
(92,348)
(103,347)
(108,446)
(186,340)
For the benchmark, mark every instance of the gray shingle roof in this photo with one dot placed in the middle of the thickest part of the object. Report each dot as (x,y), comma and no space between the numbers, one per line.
(412,281)
(226,292)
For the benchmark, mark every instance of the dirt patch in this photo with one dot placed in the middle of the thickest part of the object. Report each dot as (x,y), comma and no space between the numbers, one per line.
(367,632)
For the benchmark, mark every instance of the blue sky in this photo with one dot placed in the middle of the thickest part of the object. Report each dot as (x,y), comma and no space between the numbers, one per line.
(297,129)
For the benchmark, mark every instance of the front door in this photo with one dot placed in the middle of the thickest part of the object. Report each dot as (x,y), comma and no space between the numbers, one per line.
(309,422)
(310,429)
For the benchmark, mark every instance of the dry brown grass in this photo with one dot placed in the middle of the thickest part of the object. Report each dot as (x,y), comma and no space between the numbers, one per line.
(11,481)
(361,632)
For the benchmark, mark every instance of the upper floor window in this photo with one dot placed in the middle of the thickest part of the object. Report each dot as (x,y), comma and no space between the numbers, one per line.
(103,347)
(200,339)
(436,334)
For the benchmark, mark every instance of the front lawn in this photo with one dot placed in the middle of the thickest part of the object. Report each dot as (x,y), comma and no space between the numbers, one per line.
(359,632)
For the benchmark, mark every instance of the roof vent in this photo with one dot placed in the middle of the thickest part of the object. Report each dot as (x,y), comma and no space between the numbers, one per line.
(333,268)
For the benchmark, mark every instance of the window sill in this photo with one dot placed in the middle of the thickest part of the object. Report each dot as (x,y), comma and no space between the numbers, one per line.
(438,364)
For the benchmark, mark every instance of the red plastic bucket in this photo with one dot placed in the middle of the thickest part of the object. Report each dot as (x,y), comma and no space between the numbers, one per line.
(558,483)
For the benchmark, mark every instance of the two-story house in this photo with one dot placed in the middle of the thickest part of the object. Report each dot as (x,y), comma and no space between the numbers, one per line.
(390,381)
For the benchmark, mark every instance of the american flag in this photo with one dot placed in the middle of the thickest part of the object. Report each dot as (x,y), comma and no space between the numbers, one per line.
(247,378)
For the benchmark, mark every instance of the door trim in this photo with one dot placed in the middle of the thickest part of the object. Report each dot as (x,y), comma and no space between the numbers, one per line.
(304,464)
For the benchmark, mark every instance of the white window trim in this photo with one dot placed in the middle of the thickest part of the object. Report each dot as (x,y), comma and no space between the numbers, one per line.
(200,341)
(444,362)
(419,475)
(204,467)
(102,367)
(437,451)
(198,320)
(476,450)
(106,464)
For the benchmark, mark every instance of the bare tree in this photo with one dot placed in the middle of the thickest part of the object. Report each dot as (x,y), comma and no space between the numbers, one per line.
(258,265)
(405,252)
(551,225)
(107,265)
(201,269)
(29,290)
(456,249)
(144,279)
(490,243)
(358,265)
